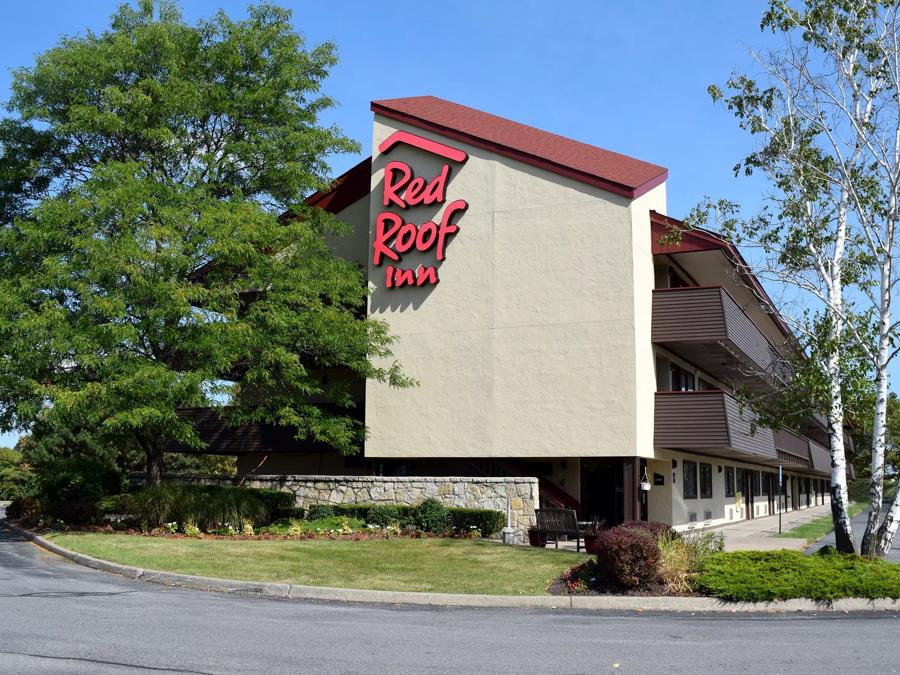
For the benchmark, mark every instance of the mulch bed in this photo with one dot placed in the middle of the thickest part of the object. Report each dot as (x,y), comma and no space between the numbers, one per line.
(586,579)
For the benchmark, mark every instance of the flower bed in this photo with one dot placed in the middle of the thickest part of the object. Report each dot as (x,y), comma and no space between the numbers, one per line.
(639,558)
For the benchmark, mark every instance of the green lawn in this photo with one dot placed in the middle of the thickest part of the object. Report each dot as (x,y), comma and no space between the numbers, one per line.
(779,575)
(818,528)
(439,565)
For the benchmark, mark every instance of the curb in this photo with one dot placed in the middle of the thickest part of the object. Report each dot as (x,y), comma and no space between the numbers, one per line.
(577,602)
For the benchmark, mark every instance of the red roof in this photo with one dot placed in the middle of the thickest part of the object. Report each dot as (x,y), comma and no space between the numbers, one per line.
(586,163)
(347,189)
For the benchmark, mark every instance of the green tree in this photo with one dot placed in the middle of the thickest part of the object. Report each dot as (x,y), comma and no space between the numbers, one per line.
(862,441)
(155,252)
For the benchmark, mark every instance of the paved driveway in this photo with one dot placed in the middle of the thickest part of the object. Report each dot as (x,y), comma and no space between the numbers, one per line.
(859,526)
(58,617)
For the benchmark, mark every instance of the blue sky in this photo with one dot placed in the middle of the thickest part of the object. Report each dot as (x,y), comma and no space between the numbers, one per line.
(630,77)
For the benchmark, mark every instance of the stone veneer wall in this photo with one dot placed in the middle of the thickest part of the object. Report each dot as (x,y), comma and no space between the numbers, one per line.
(520,494)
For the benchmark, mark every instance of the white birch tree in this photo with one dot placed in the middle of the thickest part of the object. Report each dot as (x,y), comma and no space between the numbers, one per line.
(826,114)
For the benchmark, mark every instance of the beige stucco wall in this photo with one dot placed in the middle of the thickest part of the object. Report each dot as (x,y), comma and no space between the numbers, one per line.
(643,285)
(529,346)
(353,245)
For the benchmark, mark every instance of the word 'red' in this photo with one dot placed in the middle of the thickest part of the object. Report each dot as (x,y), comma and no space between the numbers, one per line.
(395,237)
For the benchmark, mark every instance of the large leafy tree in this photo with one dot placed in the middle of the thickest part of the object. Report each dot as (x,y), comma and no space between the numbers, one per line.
(154,250)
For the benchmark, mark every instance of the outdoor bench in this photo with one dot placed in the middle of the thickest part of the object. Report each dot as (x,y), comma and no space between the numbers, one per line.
(557,522)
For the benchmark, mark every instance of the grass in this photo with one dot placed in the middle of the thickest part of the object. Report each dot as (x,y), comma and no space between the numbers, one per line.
(818,528)
(438,565)
(781,575)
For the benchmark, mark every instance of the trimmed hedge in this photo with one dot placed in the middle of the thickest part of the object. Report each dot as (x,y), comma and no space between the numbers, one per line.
(274,500)
(292,513)
(488,521)
(382,515)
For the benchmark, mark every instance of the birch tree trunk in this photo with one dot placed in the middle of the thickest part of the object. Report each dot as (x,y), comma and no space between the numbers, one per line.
(840,514)
(871,543)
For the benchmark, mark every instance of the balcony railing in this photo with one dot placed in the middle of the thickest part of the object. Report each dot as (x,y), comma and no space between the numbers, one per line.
(705,326)
(715,422)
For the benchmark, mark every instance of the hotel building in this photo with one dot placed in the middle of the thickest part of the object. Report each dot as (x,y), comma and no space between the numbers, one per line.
(552,330)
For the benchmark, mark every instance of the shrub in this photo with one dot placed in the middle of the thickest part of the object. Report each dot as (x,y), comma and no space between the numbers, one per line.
(628,555)
(331,524)
(701,545)
(654,528)
(28,509)
(209,507)
(294,512)
(486,521)
(382,515)
(275,500)
(674,563)
(70,488)
(431,516)
(753,576)
(123,504)
(16,479)
(158,504)
(319,511)
(359,511)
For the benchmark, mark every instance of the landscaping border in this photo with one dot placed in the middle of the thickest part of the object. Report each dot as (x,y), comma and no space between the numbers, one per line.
(578,602)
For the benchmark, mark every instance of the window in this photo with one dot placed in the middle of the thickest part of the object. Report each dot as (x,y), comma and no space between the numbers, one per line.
(676,280)
(756,486)
(766,483)
(682,380)
(729,481)
(690,480)
(705,480)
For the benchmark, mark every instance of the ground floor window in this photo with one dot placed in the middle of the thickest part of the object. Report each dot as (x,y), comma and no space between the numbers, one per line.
(754,476)
(706,490)
(690,479)
(729,481)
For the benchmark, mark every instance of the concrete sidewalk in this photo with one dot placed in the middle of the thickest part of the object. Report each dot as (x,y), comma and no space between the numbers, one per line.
(754,535)
(759,534)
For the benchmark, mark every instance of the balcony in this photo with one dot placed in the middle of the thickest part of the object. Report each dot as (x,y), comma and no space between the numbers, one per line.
(707,328)
(793,449)
(709,421)
(712,422)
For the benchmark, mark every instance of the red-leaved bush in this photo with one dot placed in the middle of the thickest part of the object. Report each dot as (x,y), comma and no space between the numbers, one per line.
(655,528)
(629,555)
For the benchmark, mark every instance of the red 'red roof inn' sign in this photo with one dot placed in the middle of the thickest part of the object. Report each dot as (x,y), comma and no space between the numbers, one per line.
(394,236)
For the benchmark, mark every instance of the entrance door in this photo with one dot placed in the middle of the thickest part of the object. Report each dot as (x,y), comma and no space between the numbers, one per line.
(747,493)
(771,484)
(602,490)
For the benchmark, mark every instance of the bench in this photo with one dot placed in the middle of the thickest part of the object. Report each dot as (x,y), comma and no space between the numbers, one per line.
(558,522)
